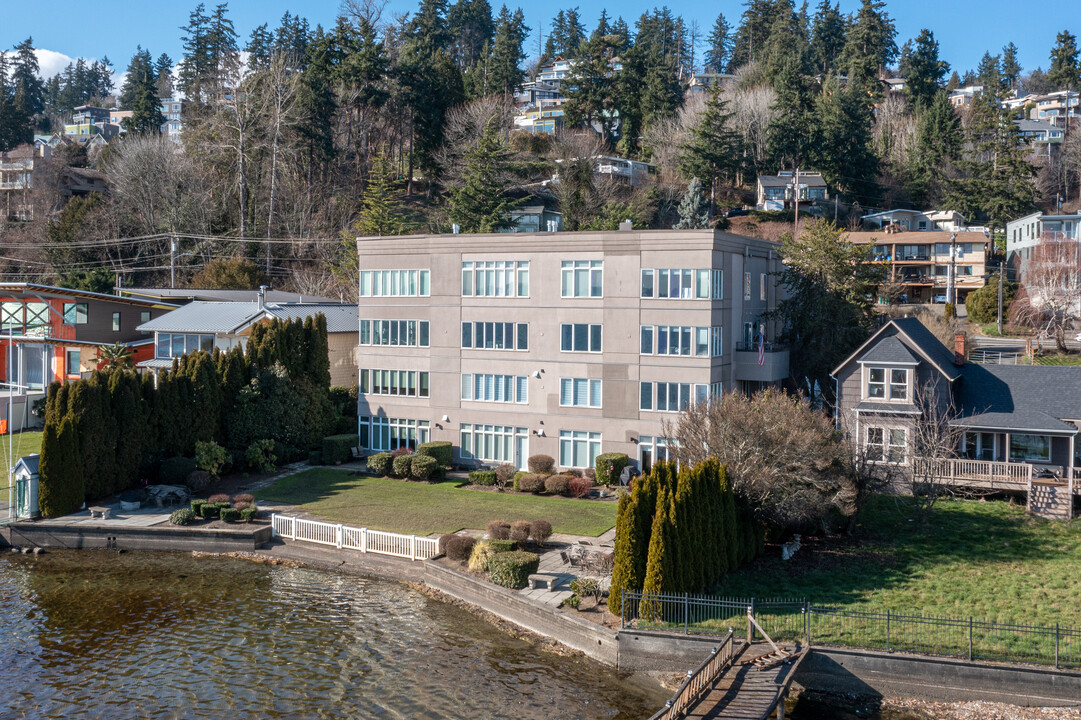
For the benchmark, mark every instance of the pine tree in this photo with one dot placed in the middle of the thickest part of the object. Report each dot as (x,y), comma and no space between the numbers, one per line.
(989,74)
(590,87)
(140,95)
(791,136)
(922,69)
(719,50)
(713,150)
(827,37)
(693,209)
(844,147)
(937,147)
(869,46)
(471,29)
(752,34)
(163,76)
(1011,69)
(508,52)
(260,48)
(1065,70)
(478,205)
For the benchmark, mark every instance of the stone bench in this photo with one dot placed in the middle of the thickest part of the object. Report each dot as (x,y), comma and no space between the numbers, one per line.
(537,580)
(97,511)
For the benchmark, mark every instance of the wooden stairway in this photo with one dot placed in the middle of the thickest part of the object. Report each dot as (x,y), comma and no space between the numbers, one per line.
(1050,500)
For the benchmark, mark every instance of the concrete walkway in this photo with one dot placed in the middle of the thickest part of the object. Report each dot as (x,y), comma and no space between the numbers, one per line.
(551,563)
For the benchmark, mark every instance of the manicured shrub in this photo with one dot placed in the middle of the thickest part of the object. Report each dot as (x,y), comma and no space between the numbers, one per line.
(401,465)
(478,558)
(198,480)
(579,487)
(518,476)
(512,569)
(403,450)
(482,477)
(315,457)
(498,529)
(460,547)
(196,506)
(502,545)
(241,505)
(441,450)
(244,497)
(260,455)
(183,516)
(249,513)
(573,472)
(210,456)
(542,464)
(519,530)
(219,498)
(504,474)
(423,467)
(540,531)
(590,473)
(339,448)
(608,467)
(443,540)
(379,464)
(209,510)
(229,514)
(175,470)
(557,484)
(531,483)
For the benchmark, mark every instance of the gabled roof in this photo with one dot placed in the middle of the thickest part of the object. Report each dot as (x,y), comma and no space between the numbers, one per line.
(919,337)
(890,350)
(340,318)
(1032,398)
(30,462)
(230,318)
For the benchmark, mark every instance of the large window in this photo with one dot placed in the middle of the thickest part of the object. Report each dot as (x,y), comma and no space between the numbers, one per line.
(578,448)
(886,445)
(396,333)
(395,283)
(495,336)
(495,278)
(407,383)
(887,383)
(583,278)
(671,397)
(169,345)
(1030,448)
(76,313)
(484,387)
(579,392)
(677,283)
(491,443)
(580,337)
(380,433)
(31,318)
(681,340)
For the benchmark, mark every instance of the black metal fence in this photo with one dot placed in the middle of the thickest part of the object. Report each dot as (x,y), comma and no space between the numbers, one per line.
(792,619)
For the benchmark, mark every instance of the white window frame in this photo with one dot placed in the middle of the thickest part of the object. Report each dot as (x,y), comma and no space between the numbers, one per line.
(576,446)
(372,333)
(579,392)
(888,383)
(571,279)
(411,282)
(489,443)
(494,388)
(589,337)
(495,278)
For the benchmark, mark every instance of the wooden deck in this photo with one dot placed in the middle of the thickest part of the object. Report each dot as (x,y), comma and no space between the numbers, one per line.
(744,692)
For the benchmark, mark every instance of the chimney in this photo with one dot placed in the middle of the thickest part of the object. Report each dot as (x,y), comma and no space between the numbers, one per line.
(262,296)
(626,225)
(959,353)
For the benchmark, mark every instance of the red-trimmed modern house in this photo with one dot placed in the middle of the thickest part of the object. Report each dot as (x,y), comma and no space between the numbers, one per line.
(51,333)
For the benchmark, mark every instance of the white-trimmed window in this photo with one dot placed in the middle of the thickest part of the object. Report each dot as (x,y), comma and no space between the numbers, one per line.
(669,396)
(380,433)
(579,392)
(495,336)
(487,387)
(405,383)
(495,278)
(580,337)
(886,445)
(680,340)
(887,383)
(395,283)
(578,448)
(676,283)
(897,445)
(716,344)
(395,333)
(72,361)
(875,445)
(491,443)
(582,278)
(716,284)
(170,345)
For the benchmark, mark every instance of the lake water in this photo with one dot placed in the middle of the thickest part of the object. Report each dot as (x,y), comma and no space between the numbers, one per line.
(88,634)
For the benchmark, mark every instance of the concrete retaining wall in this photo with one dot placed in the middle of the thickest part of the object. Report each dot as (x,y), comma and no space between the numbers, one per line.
(160,538)
(594,640)
(937,679)
(656,652)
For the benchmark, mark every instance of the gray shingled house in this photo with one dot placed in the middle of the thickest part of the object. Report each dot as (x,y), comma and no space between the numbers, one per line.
(1017,425)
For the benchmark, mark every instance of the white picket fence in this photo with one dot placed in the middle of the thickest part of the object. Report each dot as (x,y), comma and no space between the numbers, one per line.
(354,538)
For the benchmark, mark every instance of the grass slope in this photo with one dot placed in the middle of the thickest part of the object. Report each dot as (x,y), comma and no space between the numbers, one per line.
(399,506)
(25,444)
(982,559)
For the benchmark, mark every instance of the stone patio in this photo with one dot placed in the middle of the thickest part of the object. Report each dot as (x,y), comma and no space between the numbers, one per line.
(552,564)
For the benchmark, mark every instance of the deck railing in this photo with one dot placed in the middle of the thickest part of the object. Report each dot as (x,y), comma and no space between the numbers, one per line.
(353,538)
(991,474)
(699,680)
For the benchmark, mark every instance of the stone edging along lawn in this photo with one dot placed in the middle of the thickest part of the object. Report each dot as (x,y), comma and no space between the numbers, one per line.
(426,508)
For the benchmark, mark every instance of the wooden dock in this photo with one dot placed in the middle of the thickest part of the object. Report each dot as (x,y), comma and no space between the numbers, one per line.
(745,692)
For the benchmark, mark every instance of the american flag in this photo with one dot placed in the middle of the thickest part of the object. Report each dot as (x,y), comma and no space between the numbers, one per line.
(761,348)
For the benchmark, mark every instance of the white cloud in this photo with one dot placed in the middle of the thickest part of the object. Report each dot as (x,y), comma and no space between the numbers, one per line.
(51,62)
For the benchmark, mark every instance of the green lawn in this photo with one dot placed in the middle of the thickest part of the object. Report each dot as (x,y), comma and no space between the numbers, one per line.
(399,506)
(25,444)
(982,559)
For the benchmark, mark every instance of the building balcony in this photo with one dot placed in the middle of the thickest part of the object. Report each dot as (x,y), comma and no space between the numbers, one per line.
(774,366)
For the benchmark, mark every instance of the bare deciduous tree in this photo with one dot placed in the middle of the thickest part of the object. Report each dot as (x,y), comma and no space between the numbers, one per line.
(753,109)
(1050,296)
(935,440)
(157,186)
(464,126)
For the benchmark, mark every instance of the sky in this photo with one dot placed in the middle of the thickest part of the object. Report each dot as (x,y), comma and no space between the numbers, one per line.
(965,29)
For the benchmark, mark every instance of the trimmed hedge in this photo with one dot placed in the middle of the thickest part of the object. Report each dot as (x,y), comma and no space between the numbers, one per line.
(249,513)
(579,487)
(557,484)
(315,457)
(531,483)
(608,467)
(229,514)
(197,506)
(540,531)
(209,510)
(380,464)
(512,569)
(423,467)
(500,546)
(542,464)
(460,547)
(482,477)
(441,450)
(498,529)
(183,516)
(339,448)
(519,530)
(401,465)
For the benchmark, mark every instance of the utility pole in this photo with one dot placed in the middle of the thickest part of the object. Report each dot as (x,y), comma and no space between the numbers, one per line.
(951,289)
(172,261)
(1000,271)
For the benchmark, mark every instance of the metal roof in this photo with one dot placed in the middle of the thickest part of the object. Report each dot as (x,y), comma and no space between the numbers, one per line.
(23,289)
(230,318)
(340,318)
(179,296)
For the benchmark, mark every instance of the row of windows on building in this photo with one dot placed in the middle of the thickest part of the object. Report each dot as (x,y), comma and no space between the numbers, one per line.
(170,345)
(681,340)
(37,315)
(405,383)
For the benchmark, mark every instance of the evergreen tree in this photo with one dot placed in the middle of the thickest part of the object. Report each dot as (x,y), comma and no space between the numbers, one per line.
(827,37)
(954,82)
(843,149)
(694,210)
(922,69)
(14,123)
(478,206)
(719,50)
(792,134)
(293,39)
(508,52)
(195,66)
(163,74)
(590,88)
(658,577)
(989,74)
(471,29)
(730,522)
(752,34)
(1011,69)
(60,489)
(381,212)
(787,42)
(937,147)
(260,48)
(713,150)
(140,95)
(869,46)
(28,87)
(1065,70)
(623,567)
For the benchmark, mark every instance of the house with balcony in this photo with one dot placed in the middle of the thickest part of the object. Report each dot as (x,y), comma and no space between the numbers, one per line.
(16,179)
(930,266)
(1056,107)
(901,220)
(546,117)
(569,344)
(779,192)
(964,96)
(1016,425)
(1024,233)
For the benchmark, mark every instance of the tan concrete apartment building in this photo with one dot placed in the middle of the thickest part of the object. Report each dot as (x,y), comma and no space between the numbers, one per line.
(569,344)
